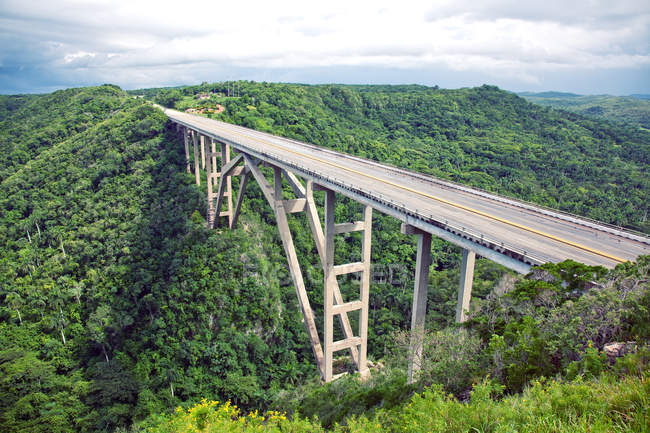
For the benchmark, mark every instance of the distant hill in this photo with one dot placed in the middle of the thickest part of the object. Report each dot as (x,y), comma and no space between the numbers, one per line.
(633,109)
(549,94)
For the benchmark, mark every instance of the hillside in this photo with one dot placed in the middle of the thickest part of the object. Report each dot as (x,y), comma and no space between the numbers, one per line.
(633,109)
(118,305)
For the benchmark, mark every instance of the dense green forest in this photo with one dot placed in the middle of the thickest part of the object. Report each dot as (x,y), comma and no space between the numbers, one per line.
(118,304)
(627,109)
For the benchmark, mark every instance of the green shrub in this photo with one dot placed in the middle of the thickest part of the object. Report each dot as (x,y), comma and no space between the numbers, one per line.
(591,364)
(451,357)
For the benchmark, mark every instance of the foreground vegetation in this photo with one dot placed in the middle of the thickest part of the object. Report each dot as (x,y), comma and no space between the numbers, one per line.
(605,404)
(118,305)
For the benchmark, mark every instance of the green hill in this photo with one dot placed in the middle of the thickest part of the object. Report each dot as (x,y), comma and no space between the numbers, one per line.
(633,109)
(117,304)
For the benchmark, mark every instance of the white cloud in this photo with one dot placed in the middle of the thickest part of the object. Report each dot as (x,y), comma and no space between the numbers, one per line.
(500,38)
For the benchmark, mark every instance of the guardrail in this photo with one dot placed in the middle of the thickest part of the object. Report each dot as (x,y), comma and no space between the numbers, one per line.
(470,234)
(464,232)
(544,210)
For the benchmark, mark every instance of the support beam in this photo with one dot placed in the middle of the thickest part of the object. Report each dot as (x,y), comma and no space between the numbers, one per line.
(203,150)
(328,286)
(349,227)
(294,183)
(344,344)
(294,267)
(229,168)
(225,159)
(465,286)
(195,145)
(349,268)
(261,180)
(418,313)
(296,205)
(224,183)
(365,291)
(213,155)
(319,239)
(330,271)
(186,139)
(240,196)
(347,307)
(208,168)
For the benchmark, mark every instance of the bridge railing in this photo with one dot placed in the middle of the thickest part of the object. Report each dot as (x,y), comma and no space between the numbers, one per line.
(458,230)
(546,210)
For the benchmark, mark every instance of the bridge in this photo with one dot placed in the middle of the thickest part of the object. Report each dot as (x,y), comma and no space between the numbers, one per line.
(513,233)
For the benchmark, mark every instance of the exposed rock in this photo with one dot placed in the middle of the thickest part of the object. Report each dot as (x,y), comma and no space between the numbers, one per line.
(617,349)
(375,365)
(505,284)
(542,275)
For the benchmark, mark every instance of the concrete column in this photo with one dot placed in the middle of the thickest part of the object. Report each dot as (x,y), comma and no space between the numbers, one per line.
(365,291)
(418,313)
(465,286)
(328,286)
(195,145)
(225,159)
(319,238)
(203,152)
(208,169)
(213,152)
(186,139)
(275,199)
(240,196)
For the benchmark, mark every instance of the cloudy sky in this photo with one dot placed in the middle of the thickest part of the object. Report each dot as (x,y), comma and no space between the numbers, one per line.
(582,46)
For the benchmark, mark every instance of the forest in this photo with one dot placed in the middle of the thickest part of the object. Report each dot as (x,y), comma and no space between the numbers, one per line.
(121,312)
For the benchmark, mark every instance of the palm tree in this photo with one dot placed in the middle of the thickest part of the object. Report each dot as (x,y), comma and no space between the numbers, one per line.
(57,301)
(97,324)
(15,301)
(171,375)
(76,290)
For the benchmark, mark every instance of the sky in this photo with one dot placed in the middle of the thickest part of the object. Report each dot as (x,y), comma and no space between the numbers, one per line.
(580,46)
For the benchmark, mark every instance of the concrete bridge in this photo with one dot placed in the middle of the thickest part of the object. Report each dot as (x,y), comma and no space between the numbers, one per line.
(515,234)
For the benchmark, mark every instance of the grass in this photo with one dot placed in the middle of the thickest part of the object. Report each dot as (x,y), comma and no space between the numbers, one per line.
(606,404)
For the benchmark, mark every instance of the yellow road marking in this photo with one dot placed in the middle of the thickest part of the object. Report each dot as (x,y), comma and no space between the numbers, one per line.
(424,194)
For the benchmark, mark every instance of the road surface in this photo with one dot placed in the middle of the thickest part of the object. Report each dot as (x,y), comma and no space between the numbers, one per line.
(531,234)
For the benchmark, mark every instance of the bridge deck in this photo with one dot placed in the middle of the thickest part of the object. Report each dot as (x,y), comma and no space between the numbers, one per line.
(512,233)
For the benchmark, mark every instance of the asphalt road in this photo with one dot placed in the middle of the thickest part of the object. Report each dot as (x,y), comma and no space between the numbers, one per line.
(539,232)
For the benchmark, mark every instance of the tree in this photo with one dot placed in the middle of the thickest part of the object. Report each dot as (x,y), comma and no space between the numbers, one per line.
(97,324)
(59,319)
(76,290)
(15,301)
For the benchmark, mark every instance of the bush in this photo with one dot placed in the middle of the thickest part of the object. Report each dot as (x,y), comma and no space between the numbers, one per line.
(591,364)
(450,358)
